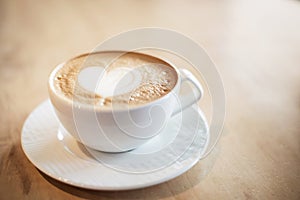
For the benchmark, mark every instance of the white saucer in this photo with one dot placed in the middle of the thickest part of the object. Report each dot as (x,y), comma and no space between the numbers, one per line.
(53,151)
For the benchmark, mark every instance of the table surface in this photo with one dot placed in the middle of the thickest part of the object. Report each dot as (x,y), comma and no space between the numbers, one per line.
(255,45)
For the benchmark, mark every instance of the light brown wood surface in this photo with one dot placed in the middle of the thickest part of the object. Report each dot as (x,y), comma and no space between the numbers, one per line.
(255,44)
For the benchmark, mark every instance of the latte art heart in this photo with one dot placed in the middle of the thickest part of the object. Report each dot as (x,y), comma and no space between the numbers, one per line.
(109,83)
(103,79)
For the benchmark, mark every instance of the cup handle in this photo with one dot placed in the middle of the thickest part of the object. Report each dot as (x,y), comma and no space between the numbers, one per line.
(192,96)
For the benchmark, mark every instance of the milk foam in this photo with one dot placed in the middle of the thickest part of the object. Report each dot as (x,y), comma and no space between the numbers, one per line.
(131,79)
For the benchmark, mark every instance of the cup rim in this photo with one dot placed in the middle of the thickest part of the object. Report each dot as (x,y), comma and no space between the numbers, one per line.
(110,109)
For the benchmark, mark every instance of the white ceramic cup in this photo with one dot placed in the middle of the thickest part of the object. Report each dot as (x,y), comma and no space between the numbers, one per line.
(119,130)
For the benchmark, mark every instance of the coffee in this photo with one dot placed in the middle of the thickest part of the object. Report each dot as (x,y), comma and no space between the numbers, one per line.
(118,78)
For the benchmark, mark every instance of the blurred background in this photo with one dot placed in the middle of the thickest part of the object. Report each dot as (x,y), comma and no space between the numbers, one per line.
(255,45)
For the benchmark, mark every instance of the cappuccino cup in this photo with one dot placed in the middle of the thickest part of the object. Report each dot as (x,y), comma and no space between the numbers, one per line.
(115,101)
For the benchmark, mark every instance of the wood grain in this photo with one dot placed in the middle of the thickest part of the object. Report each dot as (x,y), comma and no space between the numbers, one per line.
(255,44)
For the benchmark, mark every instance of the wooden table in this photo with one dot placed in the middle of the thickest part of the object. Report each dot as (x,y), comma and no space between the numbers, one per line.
(255,44)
